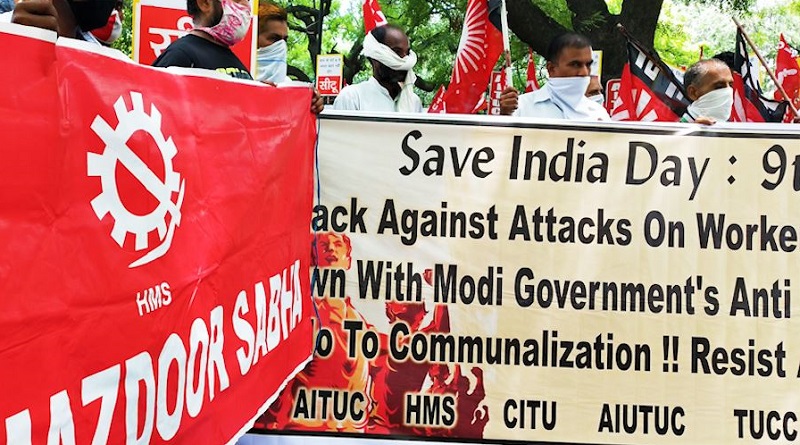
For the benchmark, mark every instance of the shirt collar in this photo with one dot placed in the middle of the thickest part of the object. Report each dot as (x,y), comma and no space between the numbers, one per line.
(541,95)
(383,90)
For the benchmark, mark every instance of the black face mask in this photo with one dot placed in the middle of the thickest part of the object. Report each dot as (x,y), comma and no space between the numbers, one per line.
(390,75)
(91,14)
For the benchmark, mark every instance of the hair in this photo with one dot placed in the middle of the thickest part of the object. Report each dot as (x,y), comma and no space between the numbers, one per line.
(270,11)
(192,8)
(698,70)
(566,40)
(380,32)
(727,58)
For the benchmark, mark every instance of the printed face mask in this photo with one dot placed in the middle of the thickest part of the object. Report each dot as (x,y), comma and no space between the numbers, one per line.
(111,32)
(271,62)
(233,24)
(715,104)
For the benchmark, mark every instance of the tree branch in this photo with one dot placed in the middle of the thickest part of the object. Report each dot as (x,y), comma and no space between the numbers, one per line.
(532,25)
(640,18)
(425,85)
(588,14)
(297,73)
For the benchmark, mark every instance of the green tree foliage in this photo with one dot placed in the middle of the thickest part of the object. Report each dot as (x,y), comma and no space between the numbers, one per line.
(675,28)
(123,43)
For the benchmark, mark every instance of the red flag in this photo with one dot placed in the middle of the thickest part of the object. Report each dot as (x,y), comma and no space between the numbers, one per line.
(480,47)
(482,105)
(373,16)
(787,71)
(533,82)
(749,105)
(648,89)
(146,297)
(438,105)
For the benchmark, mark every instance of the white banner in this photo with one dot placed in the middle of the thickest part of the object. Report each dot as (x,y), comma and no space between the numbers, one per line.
(489,279)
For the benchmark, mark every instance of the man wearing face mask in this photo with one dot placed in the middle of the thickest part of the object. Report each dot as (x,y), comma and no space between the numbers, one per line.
(594,92)
(273,31)
(391,87)
(218,25)
(69,18)
(709,85)
(569,62)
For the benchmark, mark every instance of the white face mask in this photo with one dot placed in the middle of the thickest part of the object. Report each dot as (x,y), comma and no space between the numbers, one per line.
(271,62)
(714,104)
(567,93)
(598,99)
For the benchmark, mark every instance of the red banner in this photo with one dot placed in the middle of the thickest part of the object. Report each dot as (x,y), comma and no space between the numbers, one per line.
(156,247)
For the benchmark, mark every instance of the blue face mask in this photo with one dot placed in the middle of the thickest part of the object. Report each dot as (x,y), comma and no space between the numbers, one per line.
(271,62)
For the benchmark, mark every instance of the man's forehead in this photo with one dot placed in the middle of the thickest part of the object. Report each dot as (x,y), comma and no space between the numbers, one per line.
(718,72)
(572,52)
(276,26)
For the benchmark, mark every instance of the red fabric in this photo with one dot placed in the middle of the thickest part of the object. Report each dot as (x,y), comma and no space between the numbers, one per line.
(86,354)
(373,16)
(787,71)
(437,104)
(743,109)
(480,47)
(533,83)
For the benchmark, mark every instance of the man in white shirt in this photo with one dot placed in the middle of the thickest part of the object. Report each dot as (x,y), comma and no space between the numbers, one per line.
(391,87)
(569,62)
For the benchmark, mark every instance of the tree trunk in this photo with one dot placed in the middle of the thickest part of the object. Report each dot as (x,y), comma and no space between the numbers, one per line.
(591,18)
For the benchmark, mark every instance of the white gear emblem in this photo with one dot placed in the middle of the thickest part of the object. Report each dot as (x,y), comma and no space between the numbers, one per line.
(104,166)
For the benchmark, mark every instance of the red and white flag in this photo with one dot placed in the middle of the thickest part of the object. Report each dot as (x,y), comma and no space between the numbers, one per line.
(787,71)
(480,48)
(749,104)
(437,104)
(155,282)
(649,90)
(533,82)
(373,16)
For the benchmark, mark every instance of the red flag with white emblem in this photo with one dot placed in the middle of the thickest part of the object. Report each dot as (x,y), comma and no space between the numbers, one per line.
(480,47)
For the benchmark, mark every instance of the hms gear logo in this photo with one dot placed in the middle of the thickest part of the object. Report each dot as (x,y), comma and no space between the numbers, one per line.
(104,165)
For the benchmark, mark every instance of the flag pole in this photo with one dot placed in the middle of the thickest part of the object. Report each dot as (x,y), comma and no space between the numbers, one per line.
(506,42)
(764,64)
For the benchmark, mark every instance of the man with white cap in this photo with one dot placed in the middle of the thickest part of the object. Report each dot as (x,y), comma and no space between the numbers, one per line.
(391,87)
